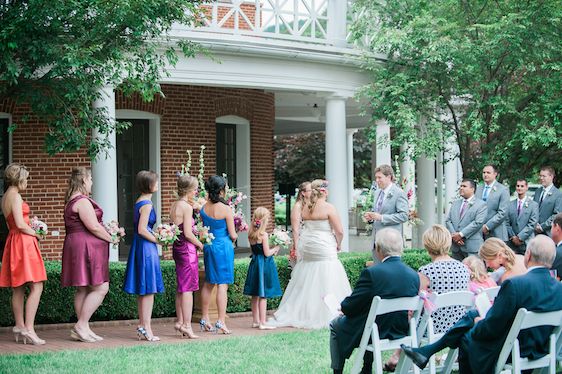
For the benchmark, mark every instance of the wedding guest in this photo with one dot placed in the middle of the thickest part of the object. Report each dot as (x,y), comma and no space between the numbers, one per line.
(479,277)
(143,276)
(219,256)
(498,256)
(21,262)
(262,281)
(303,196)
(184,251)
(85,253)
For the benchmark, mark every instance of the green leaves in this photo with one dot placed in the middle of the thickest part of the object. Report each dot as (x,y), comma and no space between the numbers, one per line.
(56,55)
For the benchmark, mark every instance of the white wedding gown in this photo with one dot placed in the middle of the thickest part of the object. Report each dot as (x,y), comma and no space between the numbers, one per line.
(319,273)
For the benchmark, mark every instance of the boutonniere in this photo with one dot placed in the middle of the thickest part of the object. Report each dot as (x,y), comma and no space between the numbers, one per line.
(389,195)
(549,193)
(470,203)
(494,188)
(526,203)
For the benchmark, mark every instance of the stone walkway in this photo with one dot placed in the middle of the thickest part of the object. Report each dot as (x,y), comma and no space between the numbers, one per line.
(122,334)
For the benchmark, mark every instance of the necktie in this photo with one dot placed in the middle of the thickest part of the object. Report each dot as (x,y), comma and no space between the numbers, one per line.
(542,196)
(485,193)
(519,203)
(463,208)
(379,202)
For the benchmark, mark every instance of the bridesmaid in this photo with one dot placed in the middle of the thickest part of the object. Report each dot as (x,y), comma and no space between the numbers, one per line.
(143,276)
(21,263)
(219,256)
(185,253)
(85,253)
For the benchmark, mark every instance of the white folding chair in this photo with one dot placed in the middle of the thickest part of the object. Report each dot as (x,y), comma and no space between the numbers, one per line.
(492,292)
(382,306)
(455,298)
(524,320)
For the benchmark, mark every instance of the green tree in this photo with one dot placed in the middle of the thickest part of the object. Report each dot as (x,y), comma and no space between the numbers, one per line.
(56,54)
(484,73)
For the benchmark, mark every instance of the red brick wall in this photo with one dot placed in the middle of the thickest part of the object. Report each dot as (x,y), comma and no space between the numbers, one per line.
(188,116)
(248,9)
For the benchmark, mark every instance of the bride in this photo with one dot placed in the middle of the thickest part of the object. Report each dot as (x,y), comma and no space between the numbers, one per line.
(320,272)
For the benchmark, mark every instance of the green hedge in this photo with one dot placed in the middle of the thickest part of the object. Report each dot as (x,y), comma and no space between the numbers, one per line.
(56,304)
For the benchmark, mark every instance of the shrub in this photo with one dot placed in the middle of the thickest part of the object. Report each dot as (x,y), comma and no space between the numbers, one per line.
(56,304)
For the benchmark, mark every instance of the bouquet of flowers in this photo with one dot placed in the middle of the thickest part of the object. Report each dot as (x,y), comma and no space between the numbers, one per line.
(279,238)
(166,234)
(38,226)
(117,233)
(368,206)
(202,233)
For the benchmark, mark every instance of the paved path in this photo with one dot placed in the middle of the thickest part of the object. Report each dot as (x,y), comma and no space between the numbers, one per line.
(123,333)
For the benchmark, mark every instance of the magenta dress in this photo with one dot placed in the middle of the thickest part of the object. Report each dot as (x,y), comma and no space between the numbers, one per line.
(187,263)
(85,257)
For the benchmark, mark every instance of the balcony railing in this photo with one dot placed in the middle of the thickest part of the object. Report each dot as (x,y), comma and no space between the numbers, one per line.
(304,21)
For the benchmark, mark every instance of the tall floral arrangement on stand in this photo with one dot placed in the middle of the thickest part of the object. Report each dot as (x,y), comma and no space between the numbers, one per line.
(406,185)
(234,199)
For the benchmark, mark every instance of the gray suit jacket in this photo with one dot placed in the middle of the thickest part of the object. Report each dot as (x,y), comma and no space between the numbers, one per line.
(523,225)
(394,210)
(551,205)
(497,203)
(470,224)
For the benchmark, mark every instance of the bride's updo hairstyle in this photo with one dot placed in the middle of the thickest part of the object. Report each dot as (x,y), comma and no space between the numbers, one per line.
(319,187)
(214,186)
(494,246)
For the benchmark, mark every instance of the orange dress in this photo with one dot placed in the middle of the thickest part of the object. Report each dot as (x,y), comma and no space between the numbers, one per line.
(22,260)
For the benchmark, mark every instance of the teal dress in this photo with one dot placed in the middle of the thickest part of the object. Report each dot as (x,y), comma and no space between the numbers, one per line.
(262,279)
(219,256)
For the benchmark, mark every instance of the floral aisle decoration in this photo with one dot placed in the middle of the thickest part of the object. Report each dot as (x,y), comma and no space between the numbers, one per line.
(117,233)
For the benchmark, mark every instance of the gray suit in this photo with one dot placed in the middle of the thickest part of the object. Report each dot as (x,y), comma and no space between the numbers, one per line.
(522,225)
(551,205)
(497,203)
(394,212)
(470,224)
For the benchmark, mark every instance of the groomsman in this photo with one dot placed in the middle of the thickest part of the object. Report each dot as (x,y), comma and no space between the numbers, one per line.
(390,208)
(465,220)
(496,197)
(522,216)
(556,233)
(549,199)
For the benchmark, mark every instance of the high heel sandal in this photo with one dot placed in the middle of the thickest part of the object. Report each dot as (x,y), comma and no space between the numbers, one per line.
(177,327)
(219,326)
(206,326)
(17,333)
(95,336)
(187,331)
(74,334)
(31,336)
(143,334)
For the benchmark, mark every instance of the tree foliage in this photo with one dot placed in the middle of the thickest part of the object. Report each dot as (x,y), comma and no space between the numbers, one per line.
(486,74)
(55,55)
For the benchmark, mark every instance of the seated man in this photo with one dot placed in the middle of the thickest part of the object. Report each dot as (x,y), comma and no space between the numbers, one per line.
(390,279)
(480,339)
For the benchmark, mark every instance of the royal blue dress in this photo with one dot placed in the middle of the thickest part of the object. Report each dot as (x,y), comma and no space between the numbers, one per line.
(219,256)
(262,279)
(143,275)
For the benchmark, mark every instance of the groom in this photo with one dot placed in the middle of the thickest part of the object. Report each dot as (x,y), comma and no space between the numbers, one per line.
(389,280)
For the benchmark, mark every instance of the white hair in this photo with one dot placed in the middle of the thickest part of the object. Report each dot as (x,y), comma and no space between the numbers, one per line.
(389,242)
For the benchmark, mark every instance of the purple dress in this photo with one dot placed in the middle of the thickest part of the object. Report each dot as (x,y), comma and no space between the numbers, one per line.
(187,263)
(85,257)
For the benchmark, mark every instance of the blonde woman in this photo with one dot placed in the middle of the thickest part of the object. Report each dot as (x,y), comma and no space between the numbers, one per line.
(22,263)
(303,196)
(320,272)
(498,256)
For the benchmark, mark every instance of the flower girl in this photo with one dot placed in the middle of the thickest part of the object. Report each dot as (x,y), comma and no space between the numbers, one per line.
(479,278)
(262,281)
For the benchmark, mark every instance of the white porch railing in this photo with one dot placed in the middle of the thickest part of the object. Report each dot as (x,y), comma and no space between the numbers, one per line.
(305,21)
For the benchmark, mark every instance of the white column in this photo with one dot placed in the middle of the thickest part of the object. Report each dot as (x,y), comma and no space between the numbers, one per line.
(452,178)
(382,152)
(426,192)
(336,165)
(350,175)
(104,169)
(337,22)
(439,188)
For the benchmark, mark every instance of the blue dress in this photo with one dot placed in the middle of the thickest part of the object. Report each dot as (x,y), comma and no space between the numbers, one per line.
(262,279)
(143,275)
(219,256)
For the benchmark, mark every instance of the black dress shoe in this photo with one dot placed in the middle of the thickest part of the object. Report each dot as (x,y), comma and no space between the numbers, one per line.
(417,358)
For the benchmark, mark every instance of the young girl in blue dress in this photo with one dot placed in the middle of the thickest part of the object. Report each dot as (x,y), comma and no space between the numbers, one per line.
(262,281)
(143,276)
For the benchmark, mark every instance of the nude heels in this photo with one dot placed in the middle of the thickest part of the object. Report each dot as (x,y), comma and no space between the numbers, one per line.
(32,337)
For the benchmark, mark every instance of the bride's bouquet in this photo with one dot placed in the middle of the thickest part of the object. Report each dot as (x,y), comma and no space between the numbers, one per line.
(203,234)
(166,234)
(279,238)
(117,233)
(38,226)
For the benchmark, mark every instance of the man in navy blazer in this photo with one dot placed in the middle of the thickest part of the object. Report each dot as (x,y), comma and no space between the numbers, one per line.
(390,279)
(480,339)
